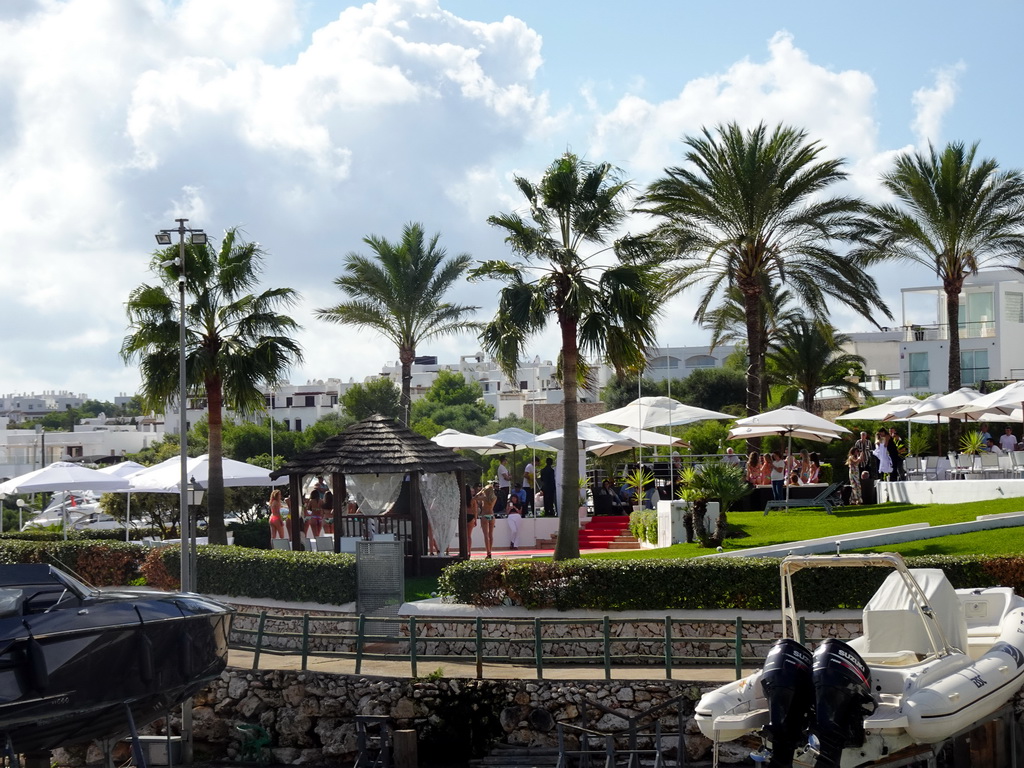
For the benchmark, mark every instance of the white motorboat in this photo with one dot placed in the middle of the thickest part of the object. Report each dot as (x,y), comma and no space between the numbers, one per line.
(931,661)
(80,509)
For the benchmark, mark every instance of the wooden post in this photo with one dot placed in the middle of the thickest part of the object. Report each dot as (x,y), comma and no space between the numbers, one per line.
(460,478)
(419,532)
(405,749)
(340,505)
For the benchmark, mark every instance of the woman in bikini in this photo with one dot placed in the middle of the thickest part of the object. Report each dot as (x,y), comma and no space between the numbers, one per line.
(276,521)
(487,498)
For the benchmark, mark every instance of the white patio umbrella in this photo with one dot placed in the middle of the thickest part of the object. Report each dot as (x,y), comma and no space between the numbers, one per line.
(1000,405)
(452,438)
(588,436)
(124,469)
(789,420)
(647,412)
(63,476)
(742,433)
(883,411)
(946,405)
(515,438)
(641,436)
(165,477)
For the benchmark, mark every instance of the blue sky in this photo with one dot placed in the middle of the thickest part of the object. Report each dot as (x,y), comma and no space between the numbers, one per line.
(311,124)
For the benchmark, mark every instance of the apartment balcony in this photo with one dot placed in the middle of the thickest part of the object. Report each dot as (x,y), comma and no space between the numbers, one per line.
(985,329)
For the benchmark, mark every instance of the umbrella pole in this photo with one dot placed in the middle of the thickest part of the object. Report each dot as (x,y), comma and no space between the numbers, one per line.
(789,454)
(128,519)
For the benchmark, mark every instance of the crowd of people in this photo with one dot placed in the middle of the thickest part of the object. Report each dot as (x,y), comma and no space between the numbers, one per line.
(779,469)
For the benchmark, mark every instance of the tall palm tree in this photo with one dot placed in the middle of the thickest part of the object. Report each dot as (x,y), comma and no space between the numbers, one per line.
(601,311)
(399,292)
(236,341)
(751,209)
(956,215)
(807,356)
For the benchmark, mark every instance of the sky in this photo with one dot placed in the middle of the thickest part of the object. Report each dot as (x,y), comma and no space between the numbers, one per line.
(310,125)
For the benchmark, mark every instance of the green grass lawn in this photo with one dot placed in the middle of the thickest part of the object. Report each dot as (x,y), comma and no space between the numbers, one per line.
(755,529)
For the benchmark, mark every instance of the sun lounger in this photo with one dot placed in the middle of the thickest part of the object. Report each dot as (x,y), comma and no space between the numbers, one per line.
(823,500)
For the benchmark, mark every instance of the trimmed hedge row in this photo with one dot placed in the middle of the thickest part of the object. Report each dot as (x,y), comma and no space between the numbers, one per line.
(235,571)
(317,577)
(729,583)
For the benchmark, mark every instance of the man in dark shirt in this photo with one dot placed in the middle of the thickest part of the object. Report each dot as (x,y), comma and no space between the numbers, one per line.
(547,485)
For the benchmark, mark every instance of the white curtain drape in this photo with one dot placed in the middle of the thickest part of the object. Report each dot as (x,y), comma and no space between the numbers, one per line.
(376,493)
(441,500)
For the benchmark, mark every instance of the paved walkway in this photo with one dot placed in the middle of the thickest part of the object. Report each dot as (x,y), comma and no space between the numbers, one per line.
(467,669)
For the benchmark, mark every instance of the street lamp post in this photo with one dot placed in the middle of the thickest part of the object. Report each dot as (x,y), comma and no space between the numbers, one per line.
(197,237)
(21,508)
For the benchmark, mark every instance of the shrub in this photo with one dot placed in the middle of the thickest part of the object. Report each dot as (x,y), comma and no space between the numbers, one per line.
(254,534)
(643,524)
(316,577)
(731,583)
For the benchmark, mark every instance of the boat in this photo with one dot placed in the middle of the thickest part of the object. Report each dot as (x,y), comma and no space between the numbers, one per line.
(79,664)
(931,662)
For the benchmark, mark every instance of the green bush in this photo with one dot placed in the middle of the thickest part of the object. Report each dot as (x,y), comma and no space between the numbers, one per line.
(315,577)
(254,534)
(694,584)
(643,524)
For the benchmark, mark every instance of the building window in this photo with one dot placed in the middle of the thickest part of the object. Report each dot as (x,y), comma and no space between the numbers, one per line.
(298,425)
(701,361)
(310,402)
(287,425)
(917,372)
(973,366)
(334,399)
(1013,307)
(524,385)
(288,402)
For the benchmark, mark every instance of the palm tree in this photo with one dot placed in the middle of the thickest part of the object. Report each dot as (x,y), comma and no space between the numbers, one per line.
(954,214)
(600,311)
(399,292)
(236,342)
(807,357)
(752,209)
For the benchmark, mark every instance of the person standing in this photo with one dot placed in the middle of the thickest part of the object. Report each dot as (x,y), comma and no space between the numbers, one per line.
(547,485)
(898,449)
(528,486)
(883,453)
(853,462)
(778,476)
(504,485)
(276,521)
(864,448)
(1007,440)
(515,520)
(487,498)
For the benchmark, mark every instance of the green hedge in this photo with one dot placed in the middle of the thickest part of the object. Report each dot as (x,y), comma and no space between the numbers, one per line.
(730,583)
(316,577)
(235,571)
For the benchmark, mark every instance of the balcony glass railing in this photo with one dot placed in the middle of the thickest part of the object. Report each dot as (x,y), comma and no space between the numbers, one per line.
(939,331)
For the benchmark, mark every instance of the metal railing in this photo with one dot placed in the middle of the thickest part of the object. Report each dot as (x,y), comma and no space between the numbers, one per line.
(539,641)
(982,329)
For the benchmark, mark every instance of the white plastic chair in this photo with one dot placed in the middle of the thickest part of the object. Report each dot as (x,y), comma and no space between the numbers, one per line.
(324,543)
(280,544)
(348,544)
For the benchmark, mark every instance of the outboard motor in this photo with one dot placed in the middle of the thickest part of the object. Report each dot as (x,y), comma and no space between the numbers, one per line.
(788,686)
(842,696)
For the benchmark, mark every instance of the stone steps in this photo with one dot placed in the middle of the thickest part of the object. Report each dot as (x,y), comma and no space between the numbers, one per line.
(512,756)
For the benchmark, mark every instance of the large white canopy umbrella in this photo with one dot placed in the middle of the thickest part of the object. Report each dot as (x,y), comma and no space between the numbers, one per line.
(588,436)
(165,477)
(648,412)
(1003,404)
(62,476)
(452,438)
(124,469)
(883,411)
(743,433)
(641,436)
(947,404)
(789,420)
(515,438)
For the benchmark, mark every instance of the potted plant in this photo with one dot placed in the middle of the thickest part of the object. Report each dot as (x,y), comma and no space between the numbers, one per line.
(972,443)
(715,481)
(637,481)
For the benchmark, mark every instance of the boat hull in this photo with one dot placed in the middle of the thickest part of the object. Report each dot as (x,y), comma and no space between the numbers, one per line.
(71,667)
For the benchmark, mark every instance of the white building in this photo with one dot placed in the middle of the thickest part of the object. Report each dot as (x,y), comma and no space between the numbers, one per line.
(679,362)
(23,407)
(991,324)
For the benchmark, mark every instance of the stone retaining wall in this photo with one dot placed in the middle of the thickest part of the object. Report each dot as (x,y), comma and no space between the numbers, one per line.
(310,716)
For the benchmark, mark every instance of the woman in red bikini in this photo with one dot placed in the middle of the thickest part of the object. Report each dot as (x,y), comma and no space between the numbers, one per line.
(276,521)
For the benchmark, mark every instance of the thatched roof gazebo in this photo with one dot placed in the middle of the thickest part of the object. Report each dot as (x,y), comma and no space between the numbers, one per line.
(370,459)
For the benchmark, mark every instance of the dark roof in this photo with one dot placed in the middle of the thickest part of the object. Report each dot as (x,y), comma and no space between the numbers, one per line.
(376,444)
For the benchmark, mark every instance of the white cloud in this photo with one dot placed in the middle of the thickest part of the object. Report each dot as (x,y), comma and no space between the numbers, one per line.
(932,104)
